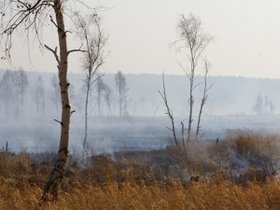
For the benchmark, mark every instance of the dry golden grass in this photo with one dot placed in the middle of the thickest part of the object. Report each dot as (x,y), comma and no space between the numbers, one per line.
(129,195)
(152,180)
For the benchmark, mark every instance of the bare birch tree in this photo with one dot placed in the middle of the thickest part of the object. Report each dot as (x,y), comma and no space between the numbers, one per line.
(100,88)
(120,82)
(168,111)
(104,93)
(55,93)
(204,98)
(29,16)
(90,31)
(9,93)
(108,98)
(195,41)
(21,84)
(39,96)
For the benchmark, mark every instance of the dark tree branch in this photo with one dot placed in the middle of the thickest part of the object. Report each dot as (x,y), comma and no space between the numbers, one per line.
(168,111)
(204,98)
(54,52)
(77,50)
(58,122)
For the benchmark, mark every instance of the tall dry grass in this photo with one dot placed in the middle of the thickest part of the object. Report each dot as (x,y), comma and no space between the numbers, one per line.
(156,179)
(129,195)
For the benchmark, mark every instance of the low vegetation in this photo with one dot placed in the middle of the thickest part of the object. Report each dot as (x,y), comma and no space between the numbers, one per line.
(238,173)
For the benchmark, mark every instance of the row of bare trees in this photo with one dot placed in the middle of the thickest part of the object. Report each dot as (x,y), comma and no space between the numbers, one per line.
(194,42)
(13,88)
(26,95)
(21,96)
(17,95)
(263,105)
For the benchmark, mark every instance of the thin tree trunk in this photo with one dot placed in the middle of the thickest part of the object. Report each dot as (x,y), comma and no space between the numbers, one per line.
(99,98)
(203,101)
(55,179)
(120,102)
(86,119)
(168,111)
(183,134)
(191,101)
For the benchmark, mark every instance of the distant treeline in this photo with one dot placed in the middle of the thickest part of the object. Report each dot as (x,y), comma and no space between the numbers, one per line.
(33,94)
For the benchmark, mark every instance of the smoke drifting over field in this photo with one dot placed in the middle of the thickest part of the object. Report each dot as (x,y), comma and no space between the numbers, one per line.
(28,112)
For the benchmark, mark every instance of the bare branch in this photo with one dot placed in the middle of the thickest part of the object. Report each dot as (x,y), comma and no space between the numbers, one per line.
(168,111)
(54,53)
(99,77)
(204,98)
(53,22)
(77,50)
(58,122)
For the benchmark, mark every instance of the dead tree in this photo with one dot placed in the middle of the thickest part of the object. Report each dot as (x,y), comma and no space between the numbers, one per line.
(107,96)
(100,88)
(90,31)
(120,82)
(104,93)
(204,98)
(55,93)
(39,96)
(21,84)
(8,93)
(194,41)
(168,111)
(13,88)
(29,16)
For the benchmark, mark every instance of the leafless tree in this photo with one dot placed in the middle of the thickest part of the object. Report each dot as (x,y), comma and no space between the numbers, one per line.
(55,93)
(13,88)
(108,98)
(29,16)
(168,111)
(8,93)
(100,87)
(104,93)
(39,96)
(21,84)
(259,105)
(90,31)
(195,41)
(204,98)
(263,105)
(120,82)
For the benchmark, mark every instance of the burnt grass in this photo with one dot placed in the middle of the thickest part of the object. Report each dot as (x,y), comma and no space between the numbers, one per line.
(241,159)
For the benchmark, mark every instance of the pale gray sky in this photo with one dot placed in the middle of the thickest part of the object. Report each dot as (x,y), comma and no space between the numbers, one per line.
(247,37)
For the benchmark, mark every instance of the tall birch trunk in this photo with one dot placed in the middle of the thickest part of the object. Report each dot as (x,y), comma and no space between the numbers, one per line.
(191,100)
(85,149)
(55,179)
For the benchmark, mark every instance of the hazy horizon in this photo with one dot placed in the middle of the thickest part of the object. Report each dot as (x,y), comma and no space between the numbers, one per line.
(246,38)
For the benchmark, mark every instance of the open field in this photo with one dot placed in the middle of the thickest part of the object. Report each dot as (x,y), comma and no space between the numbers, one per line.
(241,172)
